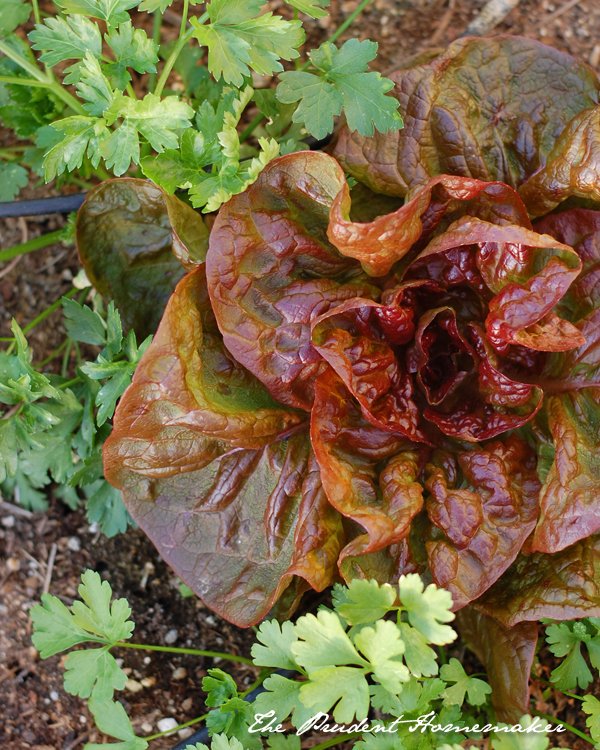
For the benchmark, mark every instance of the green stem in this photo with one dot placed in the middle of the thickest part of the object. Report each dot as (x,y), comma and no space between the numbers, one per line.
(184,37)
(36,11)
(568,727)
(25,82)
(36,73)
(156,29)
(176,729)
(252,127)
(349,21)
(28,247)
(193,651)
(49,311)
(564,692)
(55,353)
(69,383)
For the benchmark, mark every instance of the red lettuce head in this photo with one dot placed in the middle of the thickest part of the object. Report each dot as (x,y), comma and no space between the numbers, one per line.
(413,392)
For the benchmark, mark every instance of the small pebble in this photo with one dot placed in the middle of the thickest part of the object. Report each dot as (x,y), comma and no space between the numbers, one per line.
(164,725)
(179,674)
(148,681)
(12,564)
(210,620)
(171,636)
(146,727)
(93,527)
(120,662)
(8,522)
(185,733)
(82,719)
(54,696)
(147,660)
(133,686)
(3,609)
(74,544)
(187,704)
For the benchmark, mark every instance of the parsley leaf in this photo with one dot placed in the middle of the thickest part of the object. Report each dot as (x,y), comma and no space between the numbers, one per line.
(536,740)
(111,11)
(312,8)
(97,615)
(83,323)
(81,135)
(132,49)
(283,696)
(237,41)
(475,689)
(111,718)
(12,178)
(564,639)
(93,672)
(591,706)
(151,5)
(427,608)
(341,80)
(419,657)
(324,642)
(277,640)
(67,38)
(345,686)
(12,14)
(93,86)
(381,644)
(105,506)
(363,601)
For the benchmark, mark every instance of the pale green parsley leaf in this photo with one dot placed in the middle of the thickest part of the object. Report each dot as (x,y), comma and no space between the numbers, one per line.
(67,38)
(380,741)
(113,12)
(277,640)
(591,707)
(419,657)
(283,697)
(93,672)
(54,627)
(346,687)
(341,79)
(111,718)
(381,645)
(93,86)
(363,601)
(278,741)
(427,608)
(97,614)
(81,135)
(324,642)
(132,49)
(522,740)
(475,689)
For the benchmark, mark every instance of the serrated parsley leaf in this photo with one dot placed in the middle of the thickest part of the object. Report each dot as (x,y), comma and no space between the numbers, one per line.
(132,49)
(105,506)
(381,644)
(277,640)
(180,168)
(283,697)
(427,609)
(111,11)
(564,639)
(154,118)
(346,687)
(93,672)
(324,642)
(83,323)
(12,14)
(151,5)
(54,627)
(93,86)
(97,615)
(111,718)
(67,38)
(238,42)
(419,657)
(475,689)
(341,79)
(9,446)
(312,8)
(81,135)
(536,740)
(363,601)
(13,177)
(591,707)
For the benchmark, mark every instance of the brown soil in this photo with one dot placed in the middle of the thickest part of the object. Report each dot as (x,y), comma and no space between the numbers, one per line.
(35,711)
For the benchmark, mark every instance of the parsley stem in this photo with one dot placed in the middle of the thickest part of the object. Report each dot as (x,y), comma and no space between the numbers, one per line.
(156,29)
(349,21)
(49,310)
(568,727)
(564,692)
(184,37)
(36,11)
(25,82)
(193,651)
(176,729)
(27,247)
(252,127)
(59,90)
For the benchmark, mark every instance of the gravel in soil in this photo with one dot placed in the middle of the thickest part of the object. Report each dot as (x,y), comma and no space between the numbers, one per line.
(35,712)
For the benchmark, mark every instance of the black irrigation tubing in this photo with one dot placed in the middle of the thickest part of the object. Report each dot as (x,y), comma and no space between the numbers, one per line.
(65,204)
(202,734)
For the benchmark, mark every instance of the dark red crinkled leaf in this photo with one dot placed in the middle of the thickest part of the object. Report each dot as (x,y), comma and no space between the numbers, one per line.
(369,475)
(528,287)
(271,270)
(572,169)
(216,472)
(561,586)
(133,239)
(490,108)
(381,243)
(506,654)
(351,339)
(484,517)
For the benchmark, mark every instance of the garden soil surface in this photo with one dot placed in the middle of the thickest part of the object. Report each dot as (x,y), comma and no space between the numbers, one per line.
(50,550)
